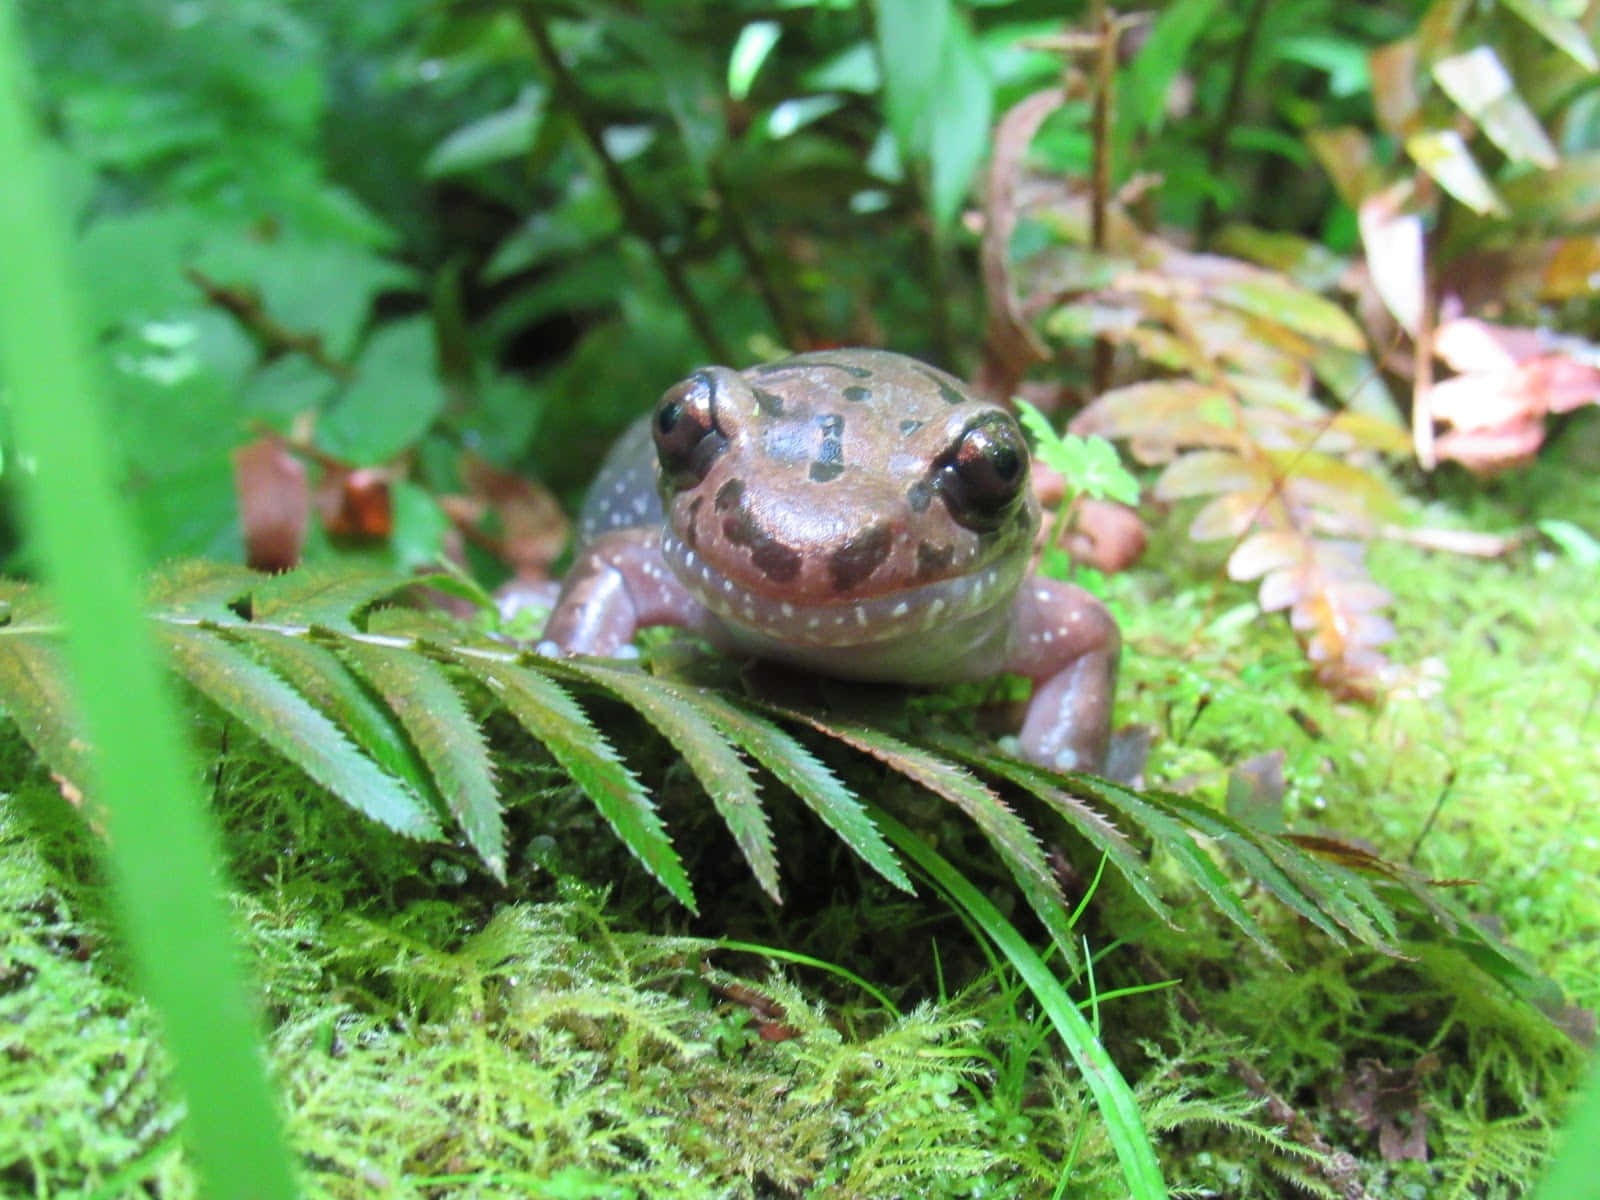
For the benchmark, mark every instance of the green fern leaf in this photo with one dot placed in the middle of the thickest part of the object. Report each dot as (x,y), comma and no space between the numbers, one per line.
(33,684)
(283,718)
(1173,836)
(552,716)
(1078,813)
(427,704)
(1008,833)
(200,589)
(1344,895)
(323,678)
(331,597)
(677,712)
(792,765)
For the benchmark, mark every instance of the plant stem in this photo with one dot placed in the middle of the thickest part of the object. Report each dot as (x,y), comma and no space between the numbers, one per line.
(791,329)
(635,213)
(1105,69)
(1243,53)
(944,342)
(275,339)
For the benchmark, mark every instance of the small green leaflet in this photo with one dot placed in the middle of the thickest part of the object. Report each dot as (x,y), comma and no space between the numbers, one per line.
(1090,465)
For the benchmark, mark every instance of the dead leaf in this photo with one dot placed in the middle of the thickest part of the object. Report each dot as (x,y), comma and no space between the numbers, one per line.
(532,528)
(1389,1100)
(354,502)
(1010,344)
(274,503)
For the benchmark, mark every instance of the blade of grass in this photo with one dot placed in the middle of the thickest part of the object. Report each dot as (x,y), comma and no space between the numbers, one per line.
(1577,1162)
(1140,1170)
(161,849)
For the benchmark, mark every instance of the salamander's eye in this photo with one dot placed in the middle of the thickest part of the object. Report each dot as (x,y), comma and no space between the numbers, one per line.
(984,473)
(685,430)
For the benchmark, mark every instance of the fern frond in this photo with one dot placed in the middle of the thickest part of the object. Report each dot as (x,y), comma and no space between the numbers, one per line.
(1081,816)
(367,700)
(33,684)
(266,704)
(546,711)
(1008,833)
(420,695)
(807,777)
(694,734)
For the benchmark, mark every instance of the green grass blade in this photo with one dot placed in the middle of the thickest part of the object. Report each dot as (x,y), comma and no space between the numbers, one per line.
(285,720)
(552,716)
(819,789)
(1576,1165)
(1140,1170)
(161,850)
(427,704)
(677,713)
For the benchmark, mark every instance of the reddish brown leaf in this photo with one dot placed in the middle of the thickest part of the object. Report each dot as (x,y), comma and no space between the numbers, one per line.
(1229,515)
(1010,344)
(1270,551)
(1346,155)
(355,503)
(274,503)
(533,529)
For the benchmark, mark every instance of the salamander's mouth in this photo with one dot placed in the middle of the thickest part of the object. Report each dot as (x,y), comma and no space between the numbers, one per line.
(902,613)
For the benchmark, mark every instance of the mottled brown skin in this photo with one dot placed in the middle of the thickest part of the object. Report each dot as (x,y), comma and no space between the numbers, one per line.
(853,512)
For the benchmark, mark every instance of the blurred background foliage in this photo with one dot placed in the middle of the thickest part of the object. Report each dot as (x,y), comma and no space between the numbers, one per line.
(385,231)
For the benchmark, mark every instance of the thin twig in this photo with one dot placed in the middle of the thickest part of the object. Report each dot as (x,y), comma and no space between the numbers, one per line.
(244,305)
(636,214)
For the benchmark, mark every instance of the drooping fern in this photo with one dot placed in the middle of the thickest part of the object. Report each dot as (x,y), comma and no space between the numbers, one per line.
(378,703)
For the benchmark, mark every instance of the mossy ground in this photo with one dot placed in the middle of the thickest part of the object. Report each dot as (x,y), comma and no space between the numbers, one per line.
(436,1035)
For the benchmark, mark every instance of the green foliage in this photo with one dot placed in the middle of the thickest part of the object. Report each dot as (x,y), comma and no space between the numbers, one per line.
(161,852)
(393,233)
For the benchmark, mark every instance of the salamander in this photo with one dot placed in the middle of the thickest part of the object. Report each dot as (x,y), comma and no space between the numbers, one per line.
(856,513)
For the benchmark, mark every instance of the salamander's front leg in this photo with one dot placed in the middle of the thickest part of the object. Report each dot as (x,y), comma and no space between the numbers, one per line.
(1066,642)
(618,586)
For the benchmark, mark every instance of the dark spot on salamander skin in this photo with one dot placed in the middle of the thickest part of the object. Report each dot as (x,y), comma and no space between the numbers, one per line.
(919,495)
(857,394)
(858,558)
(691,530)
(910,425)
(771,403)
(933,560)
(948,392)
(770,556)
(829,464)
